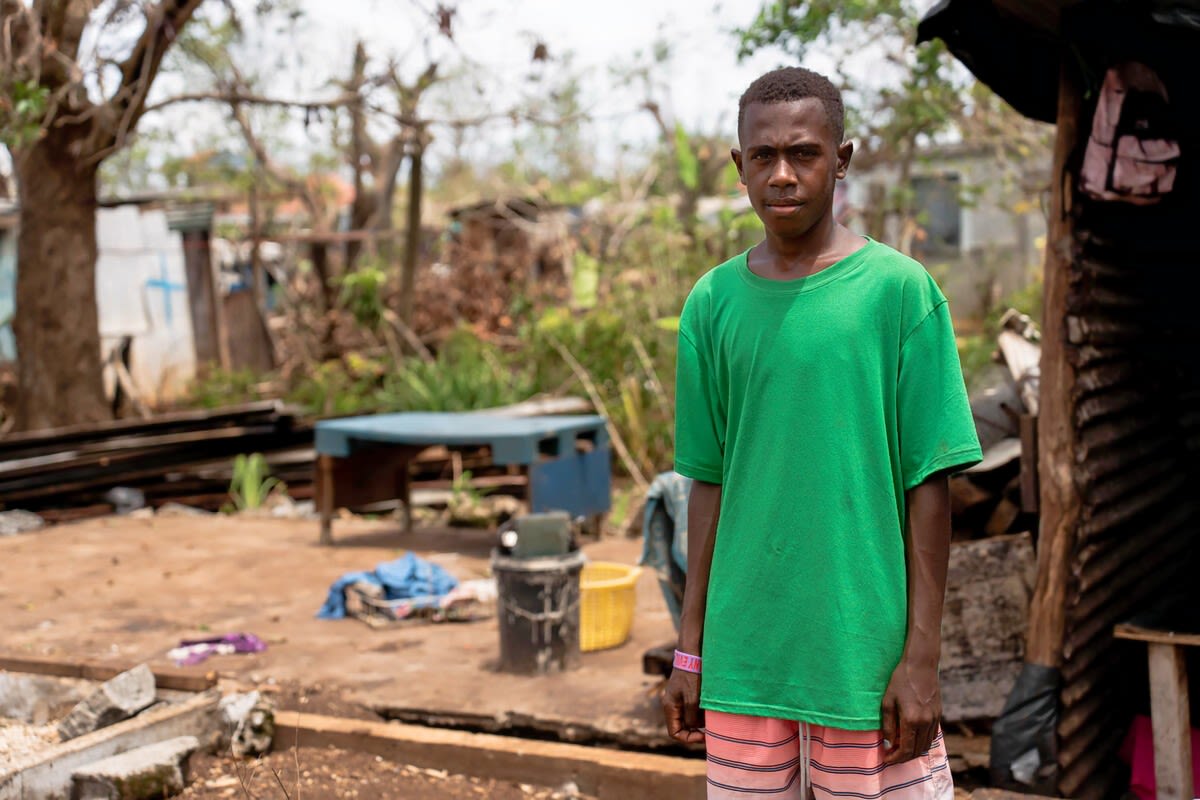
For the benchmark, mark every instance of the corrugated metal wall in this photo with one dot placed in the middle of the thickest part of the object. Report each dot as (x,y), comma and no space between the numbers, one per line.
(1133,327)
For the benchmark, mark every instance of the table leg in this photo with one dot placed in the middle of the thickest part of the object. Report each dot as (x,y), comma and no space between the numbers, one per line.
(1169,712)
(325,497)
(404,494)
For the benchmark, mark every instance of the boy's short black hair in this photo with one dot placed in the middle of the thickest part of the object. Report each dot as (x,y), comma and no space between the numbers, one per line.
(788,84)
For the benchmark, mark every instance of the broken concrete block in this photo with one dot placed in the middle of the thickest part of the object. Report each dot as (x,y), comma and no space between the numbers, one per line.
(255,732)
(37,699)
(116,700)
(153,771)
(18,521)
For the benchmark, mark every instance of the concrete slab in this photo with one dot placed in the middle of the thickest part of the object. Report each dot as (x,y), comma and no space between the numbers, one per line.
(145,773)
(47,774)
(114,700)
(162,580)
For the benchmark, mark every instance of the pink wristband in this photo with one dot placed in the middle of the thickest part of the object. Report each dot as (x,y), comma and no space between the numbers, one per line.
(687,663)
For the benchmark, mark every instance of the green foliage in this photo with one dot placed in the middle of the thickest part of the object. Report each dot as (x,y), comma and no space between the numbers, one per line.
(252,483)
(795,24)
(468,374)
(362,292)
(22,109)
(686,163)
(220,387)
(585,280)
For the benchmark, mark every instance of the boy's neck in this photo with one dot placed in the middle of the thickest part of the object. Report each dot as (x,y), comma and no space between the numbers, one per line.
(798,256)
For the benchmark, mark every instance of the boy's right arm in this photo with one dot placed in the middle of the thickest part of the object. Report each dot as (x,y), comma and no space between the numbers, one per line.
(681,698)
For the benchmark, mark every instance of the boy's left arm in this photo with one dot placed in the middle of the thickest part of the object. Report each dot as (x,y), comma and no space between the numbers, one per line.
(912,704)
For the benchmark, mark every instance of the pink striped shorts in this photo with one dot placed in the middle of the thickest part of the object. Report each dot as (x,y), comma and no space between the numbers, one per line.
(762,757)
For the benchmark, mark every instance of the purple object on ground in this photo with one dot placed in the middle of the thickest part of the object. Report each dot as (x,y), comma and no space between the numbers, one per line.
(194,651)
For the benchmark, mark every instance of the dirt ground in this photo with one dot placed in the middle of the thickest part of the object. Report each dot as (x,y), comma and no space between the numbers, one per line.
(333,773)
(127,590)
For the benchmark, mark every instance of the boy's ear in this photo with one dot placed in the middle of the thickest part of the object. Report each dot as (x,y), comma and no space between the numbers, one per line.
(844,153)
(736,155)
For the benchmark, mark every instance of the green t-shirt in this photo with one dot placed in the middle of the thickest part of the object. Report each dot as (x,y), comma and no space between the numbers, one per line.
(816,403)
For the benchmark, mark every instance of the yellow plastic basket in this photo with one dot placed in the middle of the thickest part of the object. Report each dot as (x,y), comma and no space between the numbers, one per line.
(607,598)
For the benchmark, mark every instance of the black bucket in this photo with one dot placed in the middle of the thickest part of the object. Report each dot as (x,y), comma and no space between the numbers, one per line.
(539,612)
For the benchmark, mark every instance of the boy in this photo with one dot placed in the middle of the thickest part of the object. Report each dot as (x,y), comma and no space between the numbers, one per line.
(820,407)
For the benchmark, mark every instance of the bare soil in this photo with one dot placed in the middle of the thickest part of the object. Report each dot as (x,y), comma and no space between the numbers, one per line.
(127,590)
(333,773)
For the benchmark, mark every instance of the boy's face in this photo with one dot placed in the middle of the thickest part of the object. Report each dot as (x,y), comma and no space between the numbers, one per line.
(790,160)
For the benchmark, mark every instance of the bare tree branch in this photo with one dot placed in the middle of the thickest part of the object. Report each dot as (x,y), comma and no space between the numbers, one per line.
(240,95)
(138,71)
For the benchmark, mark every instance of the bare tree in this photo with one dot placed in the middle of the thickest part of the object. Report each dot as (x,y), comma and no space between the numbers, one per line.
(63,110)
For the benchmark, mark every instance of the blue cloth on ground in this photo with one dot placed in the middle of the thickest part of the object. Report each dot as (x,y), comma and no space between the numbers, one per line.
(661,552)
(404,578)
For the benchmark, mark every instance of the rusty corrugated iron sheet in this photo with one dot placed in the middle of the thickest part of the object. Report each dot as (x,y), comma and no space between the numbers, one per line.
(1133,337)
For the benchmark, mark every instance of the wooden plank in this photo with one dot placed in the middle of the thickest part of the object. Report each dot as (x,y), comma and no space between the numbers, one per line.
(113,451)
(176,679)
(154,466)
(1029,462)
(96,429)
(1172,725)
(1139,634)
(1059,499)
(598,772)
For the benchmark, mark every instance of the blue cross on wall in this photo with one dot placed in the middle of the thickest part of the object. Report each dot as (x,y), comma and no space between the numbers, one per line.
(162,282)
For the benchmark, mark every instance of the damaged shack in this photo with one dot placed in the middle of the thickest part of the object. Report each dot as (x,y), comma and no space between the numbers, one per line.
(1118,432)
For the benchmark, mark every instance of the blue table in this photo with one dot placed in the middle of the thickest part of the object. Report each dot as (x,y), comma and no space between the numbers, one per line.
(364,460)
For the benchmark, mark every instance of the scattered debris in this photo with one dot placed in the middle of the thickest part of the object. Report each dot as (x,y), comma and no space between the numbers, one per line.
(173,509)
(38,699)
(255,731)
(148,772)
(18,741)
(418,582)
(124,499)
(114,701)
(17,521)
(467,602)
(195,651)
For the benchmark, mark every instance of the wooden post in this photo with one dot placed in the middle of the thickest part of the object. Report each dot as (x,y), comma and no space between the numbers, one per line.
(404,493)
(1029,459)
(324,492)
(1059,496)
(1169,712)
(412,242)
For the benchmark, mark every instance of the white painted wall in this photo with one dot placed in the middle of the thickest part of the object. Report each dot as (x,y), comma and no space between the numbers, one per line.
(141,291)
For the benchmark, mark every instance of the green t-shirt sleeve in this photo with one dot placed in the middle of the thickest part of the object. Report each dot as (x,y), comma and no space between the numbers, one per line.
(699,420)
(935,426)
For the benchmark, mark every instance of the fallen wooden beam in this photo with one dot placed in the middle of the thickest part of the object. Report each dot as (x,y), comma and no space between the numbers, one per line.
(598,772)
(177,679)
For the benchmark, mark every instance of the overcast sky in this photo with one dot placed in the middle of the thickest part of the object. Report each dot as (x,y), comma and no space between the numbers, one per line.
(495,40)
(705,80)
(700,86)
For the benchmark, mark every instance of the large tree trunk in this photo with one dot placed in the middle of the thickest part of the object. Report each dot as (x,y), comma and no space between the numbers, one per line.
(56,323)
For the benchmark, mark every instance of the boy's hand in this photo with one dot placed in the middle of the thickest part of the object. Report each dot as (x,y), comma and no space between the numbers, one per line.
(912,711)
(681,705)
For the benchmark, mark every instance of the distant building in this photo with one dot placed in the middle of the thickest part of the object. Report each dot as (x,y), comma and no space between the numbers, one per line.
(977,227)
